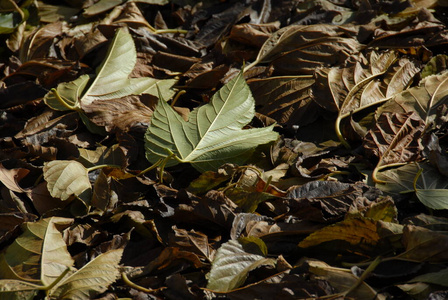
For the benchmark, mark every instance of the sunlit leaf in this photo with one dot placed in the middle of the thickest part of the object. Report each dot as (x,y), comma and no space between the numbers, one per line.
(92,279)
(363,233)
(65,178)
(231,265)
(39,255)
(111,80)
(213,134)
(423,99)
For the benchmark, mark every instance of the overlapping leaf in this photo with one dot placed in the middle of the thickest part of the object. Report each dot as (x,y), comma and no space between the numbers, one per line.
(39,255)
(358,85)
(302,48)
(286,99)
(213,134)
(111,79)
(424,99)
(232,263)
(430,186)
(65,178)
(395,139)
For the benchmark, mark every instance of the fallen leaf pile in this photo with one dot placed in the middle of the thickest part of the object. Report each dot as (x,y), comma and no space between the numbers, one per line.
(175,149)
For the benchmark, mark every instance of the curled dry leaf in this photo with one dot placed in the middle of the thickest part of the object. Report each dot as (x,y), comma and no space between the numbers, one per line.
(302,48)
(286,99)
(395,139)
(363,82)
(424,99)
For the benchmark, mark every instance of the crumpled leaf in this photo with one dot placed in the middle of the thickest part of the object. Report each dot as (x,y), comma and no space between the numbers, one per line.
(232,263)
(39,255)
(303,48)
(92,279)
(111,80)
(437,64)
(395,139)
(213,135)
(357,86)
(65,178)
(328,200)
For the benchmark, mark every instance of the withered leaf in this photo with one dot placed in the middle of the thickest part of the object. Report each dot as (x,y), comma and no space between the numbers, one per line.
(395,139)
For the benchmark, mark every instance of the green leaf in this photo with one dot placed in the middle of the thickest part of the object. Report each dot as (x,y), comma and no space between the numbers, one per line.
(438,278)
(65,178)
(111,80)
(213,134)
(92,279)
(39,254)
(431,187)
(231,265)
(17,290)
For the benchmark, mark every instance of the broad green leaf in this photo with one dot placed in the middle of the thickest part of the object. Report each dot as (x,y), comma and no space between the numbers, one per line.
(92,279)
(213,134)
(431,187)
(111,80)
(17,290)
(39,255)
(65,178)
(231,265)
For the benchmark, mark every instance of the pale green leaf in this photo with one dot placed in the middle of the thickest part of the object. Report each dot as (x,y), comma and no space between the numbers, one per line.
(439,278)
(435,199)
(92,279)
(213,134)
(100,7)
(111,80)
(231,266)
(65,178)
(39,254)
(17,290)
(431,187)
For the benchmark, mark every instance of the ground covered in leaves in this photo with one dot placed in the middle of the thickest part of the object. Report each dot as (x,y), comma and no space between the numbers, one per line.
(224,149)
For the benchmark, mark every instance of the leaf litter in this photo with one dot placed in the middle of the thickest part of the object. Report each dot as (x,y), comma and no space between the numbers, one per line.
(221,149)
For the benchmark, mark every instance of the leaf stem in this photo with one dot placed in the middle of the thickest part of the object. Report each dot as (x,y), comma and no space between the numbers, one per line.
(414,183)
(61,101)
(364,275)
(56,281)
(180,93)
(102,166)
(337,127)
(159,31)
(155,165)
(129,283)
